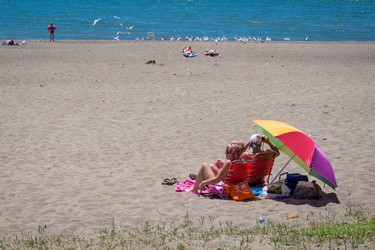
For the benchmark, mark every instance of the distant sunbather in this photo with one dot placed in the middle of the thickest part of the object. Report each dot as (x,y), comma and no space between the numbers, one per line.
(11,42)
(211,52)
(188,52)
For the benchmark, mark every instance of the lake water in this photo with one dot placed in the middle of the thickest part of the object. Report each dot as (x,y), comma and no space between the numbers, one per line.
(326,20)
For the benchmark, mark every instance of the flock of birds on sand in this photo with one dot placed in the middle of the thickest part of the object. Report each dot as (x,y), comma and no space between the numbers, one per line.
(152,36)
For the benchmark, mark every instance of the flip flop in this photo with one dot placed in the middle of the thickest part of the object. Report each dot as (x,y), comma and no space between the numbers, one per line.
(193,176)
(170,182)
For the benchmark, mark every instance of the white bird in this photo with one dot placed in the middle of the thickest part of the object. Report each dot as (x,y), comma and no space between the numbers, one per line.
(306,38)
(95,21)
(129,28)
(117,38)
(116,17)
(286,39)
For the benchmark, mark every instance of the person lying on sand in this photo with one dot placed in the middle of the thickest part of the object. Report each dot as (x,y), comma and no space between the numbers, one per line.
(11,42)
(211,52)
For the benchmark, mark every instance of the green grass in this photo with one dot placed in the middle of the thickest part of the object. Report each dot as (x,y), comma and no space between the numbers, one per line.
(322,232)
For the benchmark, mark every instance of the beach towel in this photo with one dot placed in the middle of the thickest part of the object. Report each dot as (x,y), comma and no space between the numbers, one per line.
(5,44)
(192,54)
(257,191)
(187,185)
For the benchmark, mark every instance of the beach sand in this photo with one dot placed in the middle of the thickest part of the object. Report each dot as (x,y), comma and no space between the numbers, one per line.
(88,130)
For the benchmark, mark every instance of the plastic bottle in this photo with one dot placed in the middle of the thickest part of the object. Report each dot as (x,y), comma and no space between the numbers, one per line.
(261,220)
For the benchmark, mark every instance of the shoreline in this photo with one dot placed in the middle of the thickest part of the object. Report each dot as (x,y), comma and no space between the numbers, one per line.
(187,41)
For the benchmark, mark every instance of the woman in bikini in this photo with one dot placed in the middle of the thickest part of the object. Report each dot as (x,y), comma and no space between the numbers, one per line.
(212,174)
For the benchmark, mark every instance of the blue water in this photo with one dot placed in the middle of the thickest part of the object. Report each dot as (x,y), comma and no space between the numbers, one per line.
(319,20)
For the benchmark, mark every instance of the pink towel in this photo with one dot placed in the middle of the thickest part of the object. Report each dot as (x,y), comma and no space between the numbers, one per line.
(187,185)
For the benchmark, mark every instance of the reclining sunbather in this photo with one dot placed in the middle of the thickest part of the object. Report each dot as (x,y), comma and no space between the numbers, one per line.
(212,174)
(11,42)
(211,52)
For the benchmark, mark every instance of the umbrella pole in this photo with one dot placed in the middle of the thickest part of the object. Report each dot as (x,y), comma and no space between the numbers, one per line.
(282,169)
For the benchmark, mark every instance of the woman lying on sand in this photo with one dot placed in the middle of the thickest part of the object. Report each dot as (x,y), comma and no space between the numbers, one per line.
(211,52)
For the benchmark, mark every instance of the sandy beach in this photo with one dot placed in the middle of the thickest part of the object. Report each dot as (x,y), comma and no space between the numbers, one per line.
(88,130)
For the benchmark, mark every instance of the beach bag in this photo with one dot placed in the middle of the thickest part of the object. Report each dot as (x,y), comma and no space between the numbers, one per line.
(292,180)
(239,191)
(307,190)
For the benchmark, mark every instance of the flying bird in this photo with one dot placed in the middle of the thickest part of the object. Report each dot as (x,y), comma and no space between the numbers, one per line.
(116,17)
(129,28)
(95,21)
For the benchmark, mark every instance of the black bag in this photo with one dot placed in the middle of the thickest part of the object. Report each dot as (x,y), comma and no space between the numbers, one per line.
(292,180)
(307,190)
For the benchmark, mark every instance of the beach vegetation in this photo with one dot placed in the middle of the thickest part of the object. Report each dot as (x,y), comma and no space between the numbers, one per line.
(354,230)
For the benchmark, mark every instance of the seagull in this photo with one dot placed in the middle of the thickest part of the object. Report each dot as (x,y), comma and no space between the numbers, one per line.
(116,17)
(129,28)
(95,21)
(117,38)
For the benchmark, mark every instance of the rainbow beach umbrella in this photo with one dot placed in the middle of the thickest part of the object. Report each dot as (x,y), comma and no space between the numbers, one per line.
(299,147)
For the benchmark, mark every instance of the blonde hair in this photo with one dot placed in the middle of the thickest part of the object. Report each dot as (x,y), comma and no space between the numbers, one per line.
(236,147)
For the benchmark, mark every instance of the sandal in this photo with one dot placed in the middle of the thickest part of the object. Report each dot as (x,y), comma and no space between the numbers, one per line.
(193,176)
(170,182)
